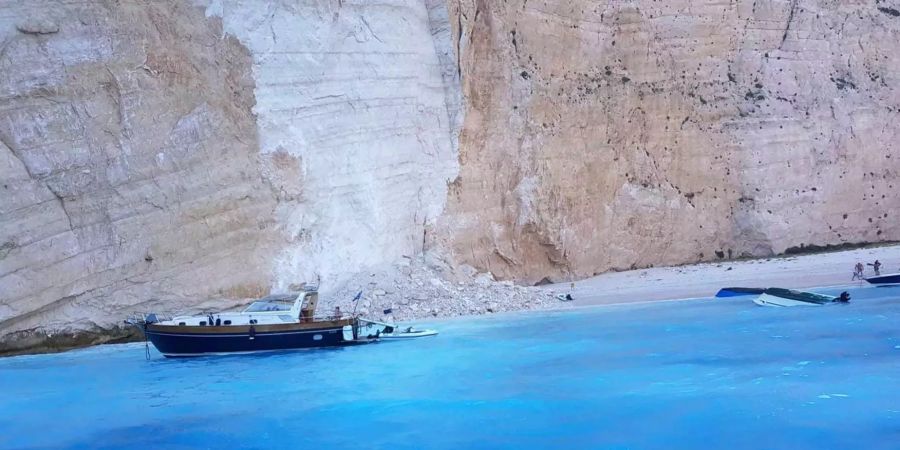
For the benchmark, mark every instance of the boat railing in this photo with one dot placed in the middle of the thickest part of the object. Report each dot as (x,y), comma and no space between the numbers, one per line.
(145,318)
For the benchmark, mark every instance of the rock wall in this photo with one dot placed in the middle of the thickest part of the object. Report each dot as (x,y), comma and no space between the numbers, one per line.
(158,153)
(129,162)
(617,134)
(352,93)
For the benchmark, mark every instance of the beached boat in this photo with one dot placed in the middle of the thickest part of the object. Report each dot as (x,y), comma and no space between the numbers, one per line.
(276,322)
(738,292)
(788,297)
(893,278)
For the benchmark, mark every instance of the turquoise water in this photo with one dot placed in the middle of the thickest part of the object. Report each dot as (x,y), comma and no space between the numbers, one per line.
(692,374)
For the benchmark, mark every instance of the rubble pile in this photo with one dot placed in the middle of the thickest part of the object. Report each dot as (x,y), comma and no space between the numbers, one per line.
(429,287)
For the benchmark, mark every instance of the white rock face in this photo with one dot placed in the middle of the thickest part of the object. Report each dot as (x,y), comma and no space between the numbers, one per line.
(158,154)
(129,167)
(355,94)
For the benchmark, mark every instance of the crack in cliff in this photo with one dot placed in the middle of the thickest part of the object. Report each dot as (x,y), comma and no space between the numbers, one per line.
(3,48)
(6,143)
(459,33)
(371,31)
(62,204)
(790,20)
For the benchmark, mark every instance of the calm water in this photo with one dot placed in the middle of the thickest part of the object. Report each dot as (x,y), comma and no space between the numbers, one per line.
(694,374)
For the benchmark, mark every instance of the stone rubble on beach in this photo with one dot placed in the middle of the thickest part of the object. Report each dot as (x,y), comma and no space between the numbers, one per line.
(428,287)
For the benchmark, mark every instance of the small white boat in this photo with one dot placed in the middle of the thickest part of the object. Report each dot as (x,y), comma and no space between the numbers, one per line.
(406,333)
(373,329)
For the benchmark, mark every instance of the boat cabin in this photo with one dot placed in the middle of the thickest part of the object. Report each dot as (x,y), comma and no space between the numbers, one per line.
(273,309)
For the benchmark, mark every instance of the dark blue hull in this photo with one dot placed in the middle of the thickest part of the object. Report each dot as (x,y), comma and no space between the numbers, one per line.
(893,278)
(738,292)
(187,341)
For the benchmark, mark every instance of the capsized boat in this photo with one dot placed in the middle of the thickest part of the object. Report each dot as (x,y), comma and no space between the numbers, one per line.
(276,322)
(893,278)
(788,297)
(738,292)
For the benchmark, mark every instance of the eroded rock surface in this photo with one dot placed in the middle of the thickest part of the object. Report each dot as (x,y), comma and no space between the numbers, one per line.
(353,93)
(158,154)
(130,166)
(609,135)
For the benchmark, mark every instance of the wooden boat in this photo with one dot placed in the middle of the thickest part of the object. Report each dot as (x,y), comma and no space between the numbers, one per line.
(893,278)
(786,297)
(738,292)
(276,322)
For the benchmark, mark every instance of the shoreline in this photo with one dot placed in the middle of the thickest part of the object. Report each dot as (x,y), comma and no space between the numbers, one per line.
(640,286)
(813,270)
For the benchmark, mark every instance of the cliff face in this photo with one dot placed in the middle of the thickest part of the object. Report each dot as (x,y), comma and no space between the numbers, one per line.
(612,135)
(130,166)
(352,93)
(157,153)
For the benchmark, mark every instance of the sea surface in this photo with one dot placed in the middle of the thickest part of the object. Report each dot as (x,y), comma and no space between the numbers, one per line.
(689,374)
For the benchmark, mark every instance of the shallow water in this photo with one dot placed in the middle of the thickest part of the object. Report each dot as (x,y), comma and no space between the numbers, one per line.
(692,374)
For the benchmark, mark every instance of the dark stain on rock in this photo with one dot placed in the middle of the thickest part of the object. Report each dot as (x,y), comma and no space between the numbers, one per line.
(843,84)
(889,11)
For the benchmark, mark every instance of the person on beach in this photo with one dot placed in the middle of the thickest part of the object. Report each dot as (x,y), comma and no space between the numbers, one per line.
(337,312)
(858,271)
(876,266)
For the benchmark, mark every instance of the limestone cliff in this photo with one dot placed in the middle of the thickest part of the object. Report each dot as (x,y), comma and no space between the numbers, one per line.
(608,135)
(130,164)
(156,153)
(353,93)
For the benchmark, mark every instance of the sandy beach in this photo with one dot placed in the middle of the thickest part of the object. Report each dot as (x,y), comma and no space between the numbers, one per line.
(703,280)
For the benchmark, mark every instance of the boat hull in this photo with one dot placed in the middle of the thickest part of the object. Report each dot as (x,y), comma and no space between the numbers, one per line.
(771,300)
(738,292)
(893,278)
(788,297)
(177,341)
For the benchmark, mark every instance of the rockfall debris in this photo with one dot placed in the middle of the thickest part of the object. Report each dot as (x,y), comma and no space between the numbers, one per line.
(423,287)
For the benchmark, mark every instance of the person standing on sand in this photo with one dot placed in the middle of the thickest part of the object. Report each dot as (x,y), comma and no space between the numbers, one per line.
(877,267)
(858,271)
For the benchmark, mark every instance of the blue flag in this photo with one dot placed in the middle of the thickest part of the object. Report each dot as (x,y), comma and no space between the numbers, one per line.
(357,296)
(389,310)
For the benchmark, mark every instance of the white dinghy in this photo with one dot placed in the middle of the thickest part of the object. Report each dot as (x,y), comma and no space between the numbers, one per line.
(388,332)
(407,333)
